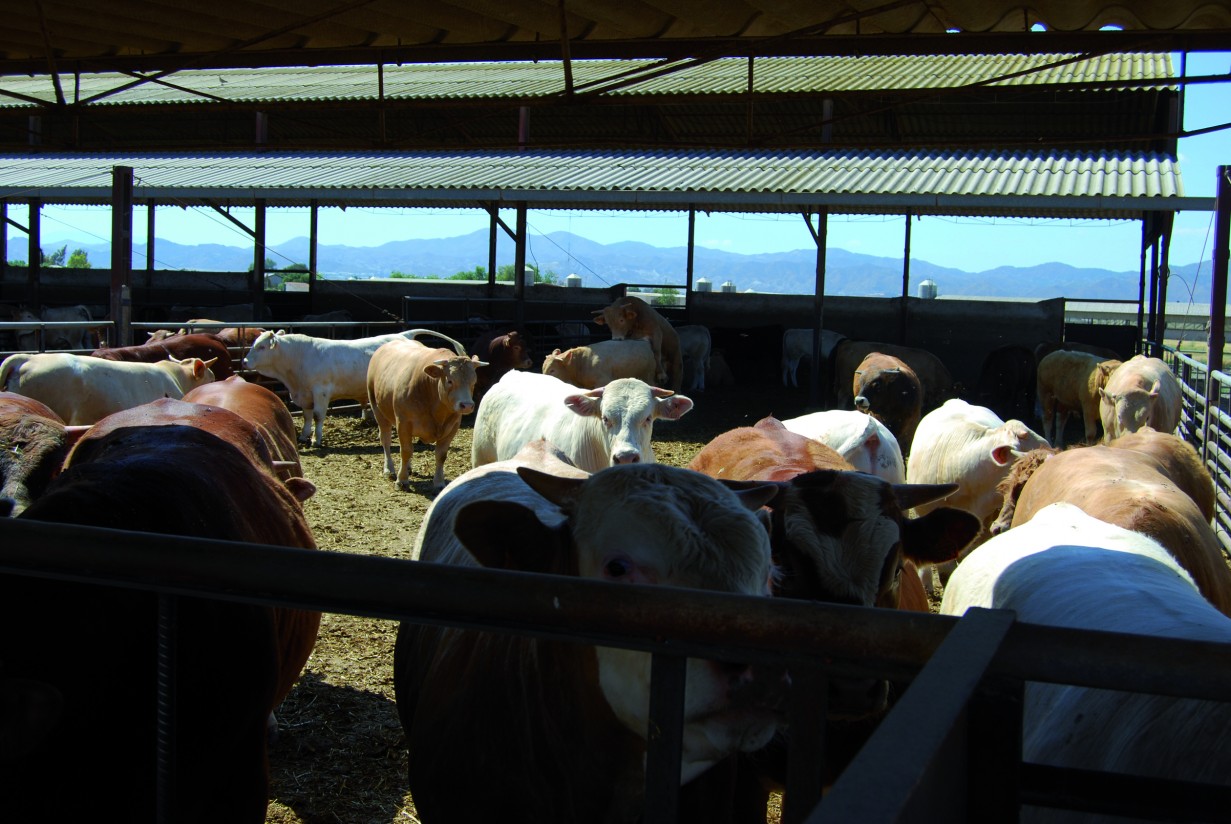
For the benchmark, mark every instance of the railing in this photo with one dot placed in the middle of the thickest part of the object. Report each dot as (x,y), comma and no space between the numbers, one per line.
(1205,422)
(951,747)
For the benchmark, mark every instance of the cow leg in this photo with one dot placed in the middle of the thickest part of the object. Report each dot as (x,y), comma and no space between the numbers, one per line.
(1049,417)
(442,452)
(385,426)
(320,405)
(406,443)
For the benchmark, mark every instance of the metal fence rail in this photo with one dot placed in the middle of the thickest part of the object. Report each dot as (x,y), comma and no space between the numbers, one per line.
(671,623)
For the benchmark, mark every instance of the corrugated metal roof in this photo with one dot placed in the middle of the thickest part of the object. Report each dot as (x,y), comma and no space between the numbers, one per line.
(1052,184)
(528,81)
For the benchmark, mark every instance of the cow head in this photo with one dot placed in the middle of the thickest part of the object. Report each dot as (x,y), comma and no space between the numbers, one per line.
(651,524)
(620,317)
(627,409)
(1126,411)
(455,379)
(1011,485)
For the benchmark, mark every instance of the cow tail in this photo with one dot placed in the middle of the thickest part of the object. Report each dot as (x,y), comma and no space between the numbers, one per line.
(413,334)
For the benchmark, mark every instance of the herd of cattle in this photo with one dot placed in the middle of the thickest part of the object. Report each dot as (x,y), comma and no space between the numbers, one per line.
(861,505)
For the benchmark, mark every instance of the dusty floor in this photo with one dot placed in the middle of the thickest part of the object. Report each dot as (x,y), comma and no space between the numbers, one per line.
(340,755)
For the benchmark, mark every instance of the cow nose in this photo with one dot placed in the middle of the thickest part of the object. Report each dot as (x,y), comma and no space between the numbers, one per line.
(862,403)
(465,408)
(626,457)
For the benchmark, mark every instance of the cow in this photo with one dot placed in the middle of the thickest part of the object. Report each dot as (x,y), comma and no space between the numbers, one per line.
(564,724)
(601,362)
(1065,568)
(1177,459)
(865,443)
(1069,382)
(886,388)
(695,347)
(1142,391)
(179,347)
(500,352)
(840,536)
(1007,382)
(1130,488)
(595,428)
(717,371)
(797,345)
(424,393)
(317,371)
(83,389)
(934,377)
(970,446)
(234,337)
(33,445)
(172,468)
(261,407)
(78,338)
(630,318)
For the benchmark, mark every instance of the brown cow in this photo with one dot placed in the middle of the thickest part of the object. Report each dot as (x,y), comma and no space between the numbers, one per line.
(500,352)
(423,392)
(261,407)
(1070,382)
(841,536)
(176,347)
(631,318)
(177,469)
(934,377)
(33,445)
(1129,488)
(887,388)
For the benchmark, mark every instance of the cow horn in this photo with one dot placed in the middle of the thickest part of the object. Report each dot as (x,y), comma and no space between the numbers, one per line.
(910,496)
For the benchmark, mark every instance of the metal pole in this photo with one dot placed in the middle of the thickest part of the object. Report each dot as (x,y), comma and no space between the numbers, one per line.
(1218,306)
(692,234)
(905,284)
(121,249)
(820,375)
(257,285)
(34,274)
(313,241)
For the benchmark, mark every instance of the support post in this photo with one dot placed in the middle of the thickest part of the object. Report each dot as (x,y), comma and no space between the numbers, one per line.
(519,268)
(905,284)
(692,236)
(121,251)
(34,259)
(1141,282)
(258,262)
(313,243)
(819,390)
(1218,306)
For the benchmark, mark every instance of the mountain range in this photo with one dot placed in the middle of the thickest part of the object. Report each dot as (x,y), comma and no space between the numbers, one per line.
(562,253)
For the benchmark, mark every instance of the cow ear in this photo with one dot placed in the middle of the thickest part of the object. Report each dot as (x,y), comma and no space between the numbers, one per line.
(588,404)
(301,488)
(560,491)
(754,494)
(599,319)
(674,408)
(940,535)
(434,370)
(1002,455)
(506,535)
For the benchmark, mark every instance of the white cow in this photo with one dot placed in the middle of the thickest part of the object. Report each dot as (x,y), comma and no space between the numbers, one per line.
(864,441)
(582,710)
(797,345)
(599,363)
(83,390)
(595,428)
(695,345)
(1142,391)
(317,371)
(1065,568)
(972,447)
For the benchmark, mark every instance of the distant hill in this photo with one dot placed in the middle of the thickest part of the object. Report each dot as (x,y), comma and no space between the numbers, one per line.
(847,273)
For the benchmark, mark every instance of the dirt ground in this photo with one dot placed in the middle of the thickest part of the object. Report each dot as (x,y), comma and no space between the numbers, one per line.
(340,754)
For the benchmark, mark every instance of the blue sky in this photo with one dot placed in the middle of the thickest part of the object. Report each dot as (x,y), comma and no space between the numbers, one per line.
(971,244)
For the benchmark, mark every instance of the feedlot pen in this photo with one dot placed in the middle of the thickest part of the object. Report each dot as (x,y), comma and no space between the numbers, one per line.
(950,750)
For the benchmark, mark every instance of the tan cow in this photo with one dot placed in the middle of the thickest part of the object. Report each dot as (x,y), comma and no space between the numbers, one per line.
(598,364)
(1141,392)
(1070,382)
(424,392)
(631,317)
(83,390)
(1130,489)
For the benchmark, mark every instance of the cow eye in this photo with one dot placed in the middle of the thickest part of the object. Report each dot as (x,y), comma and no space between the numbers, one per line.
(618,568)
(606,421)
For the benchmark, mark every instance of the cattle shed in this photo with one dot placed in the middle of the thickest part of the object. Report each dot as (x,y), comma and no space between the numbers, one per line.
(1051,109)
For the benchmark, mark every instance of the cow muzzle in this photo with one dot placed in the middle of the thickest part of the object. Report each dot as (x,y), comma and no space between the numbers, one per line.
(862,403)
(627,456)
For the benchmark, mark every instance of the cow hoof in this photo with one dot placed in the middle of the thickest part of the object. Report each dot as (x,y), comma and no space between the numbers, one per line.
(404,486)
